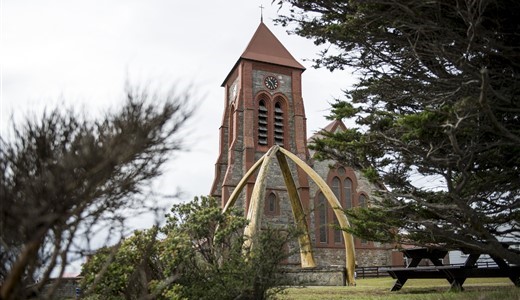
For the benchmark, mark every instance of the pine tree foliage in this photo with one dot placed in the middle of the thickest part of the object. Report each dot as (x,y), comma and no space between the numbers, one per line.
(438,111)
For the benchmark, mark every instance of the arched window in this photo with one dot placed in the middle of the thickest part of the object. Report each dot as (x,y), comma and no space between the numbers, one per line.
(363,200)
(271,205)
(343,183)
(278,124)
(271,200)
(262,123)
(322,221)
(271,124)
(336,189)
(347,187)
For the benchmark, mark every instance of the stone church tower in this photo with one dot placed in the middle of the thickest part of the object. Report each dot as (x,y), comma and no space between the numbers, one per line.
(263,106)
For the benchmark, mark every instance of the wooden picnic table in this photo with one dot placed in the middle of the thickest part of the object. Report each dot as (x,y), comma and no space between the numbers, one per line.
(456,275)
(435,255)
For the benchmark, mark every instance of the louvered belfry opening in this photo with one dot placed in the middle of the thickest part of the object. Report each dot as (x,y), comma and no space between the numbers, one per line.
(278,124)
(262,123)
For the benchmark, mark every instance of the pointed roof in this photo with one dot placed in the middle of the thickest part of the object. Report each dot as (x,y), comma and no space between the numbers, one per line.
(334,126)
(265,47)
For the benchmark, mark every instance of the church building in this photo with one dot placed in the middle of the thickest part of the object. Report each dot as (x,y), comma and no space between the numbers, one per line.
(263,106)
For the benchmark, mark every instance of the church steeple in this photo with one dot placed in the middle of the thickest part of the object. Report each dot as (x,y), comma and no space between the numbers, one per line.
(263,106)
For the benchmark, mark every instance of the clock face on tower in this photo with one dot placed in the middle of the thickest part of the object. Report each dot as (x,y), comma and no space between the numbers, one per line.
(271,82)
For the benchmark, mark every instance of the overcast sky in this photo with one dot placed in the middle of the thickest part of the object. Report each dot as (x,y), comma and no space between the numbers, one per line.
(79,53)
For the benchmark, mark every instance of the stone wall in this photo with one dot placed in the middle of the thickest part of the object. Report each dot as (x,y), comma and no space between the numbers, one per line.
(68,288)
(373,257)
(328,276)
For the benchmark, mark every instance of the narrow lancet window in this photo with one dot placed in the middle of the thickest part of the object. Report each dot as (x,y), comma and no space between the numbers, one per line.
(278,124)
(336,189)
(262,123)
(348,193)
(322,221)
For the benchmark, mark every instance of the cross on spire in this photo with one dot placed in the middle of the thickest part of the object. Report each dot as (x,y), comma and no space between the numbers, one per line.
(261,13)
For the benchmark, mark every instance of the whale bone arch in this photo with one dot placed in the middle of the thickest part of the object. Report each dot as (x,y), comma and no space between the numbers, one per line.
(254,214)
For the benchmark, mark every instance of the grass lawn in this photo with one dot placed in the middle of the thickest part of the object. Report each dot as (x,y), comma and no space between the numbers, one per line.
(422,289)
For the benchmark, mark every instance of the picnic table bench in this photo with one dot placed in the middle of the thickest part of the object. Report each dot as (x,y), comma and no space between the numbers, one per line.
(456,275)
